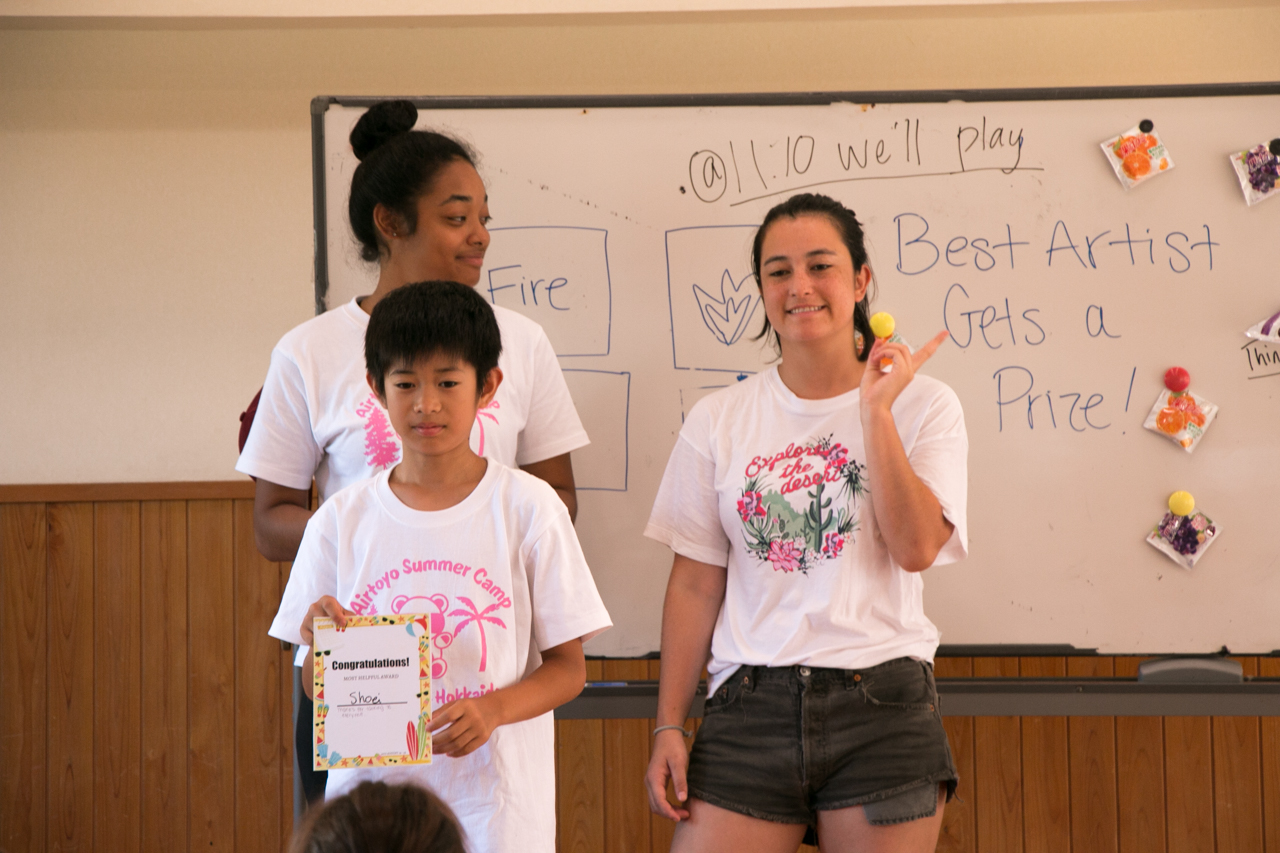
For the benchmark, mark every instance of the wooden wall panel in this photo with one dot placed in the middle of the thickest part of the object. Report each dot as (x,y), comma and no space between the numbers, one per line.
(1140,776)
(1095,825)
(258,757)
(958,833)
(580,785)
(142,707)
(1270,748)
(997,770)
(117,678)
(164,675)
(1046,780)
(1188,780)
(1237,778)
(71,653)
(211,799)
(23,677)
(626,756)
(580,780)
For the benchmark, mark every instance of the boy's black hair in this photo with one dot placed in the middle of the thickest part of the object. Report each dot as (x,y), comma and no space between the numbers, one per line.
(419,320)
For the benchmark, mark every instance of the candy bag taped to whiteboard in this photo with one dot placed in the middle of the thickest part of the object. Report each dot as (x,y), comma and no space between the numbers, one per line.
(1136,156)
(1259,171)
(1183,538)
(1181,416)
(1266,330)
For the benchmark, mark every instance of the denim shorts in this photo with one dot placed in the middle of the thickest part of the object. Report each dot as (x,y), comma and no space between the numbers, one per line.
(784,743)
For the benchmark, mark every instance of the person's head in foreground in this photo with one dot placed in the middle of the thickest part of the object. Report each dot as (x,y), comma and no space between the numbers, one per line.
(375,817)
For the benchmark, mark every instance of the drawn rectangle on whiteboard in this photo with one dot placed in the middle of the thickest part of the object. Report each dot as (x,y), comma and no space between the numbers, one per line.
(715,304)
(603,400)
(711,382)
(557,276)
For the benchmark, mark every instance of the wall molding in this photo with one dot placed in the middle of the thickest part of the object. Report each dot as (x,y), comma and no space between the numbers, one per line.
(172,491)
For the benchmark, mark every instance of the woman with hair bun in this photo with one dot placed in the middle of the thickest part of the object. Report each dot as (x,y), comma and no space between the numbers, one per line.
(419,209)
(802,504)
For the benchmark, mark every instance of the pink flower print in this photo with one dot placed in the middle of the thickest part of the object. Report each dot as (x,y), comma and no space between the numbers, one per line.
(479,617)
(481,414)
(381,447)
(833,544)
(785,555)
(750,505)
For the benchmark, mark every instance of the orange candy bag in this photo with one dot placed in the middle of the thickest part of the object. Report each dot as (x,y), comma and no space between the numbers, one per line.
(1179,414)
(1137,154)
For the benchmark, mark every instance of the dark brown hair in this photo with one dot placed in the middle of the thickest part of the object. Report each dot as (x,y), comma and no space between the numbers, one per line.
(375,817)
(850,230)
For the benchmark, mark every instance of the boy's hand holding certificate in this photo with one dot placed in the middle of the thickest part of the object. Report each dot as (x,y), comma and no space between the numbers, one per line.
(372,691)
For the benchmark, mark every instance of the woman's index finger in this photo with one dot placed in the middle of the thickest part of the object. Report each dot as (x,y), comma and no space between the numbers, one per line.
(923,354)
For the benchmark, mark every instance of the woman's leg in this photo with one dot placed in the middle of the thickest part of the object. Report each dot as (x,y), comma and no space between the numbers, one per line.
(711,829)
(849,831)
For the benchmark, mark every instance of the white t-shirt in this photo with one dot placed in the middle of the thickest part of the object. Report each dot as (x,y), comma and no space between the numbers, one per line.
(502,577)
(775,488)
(318,417)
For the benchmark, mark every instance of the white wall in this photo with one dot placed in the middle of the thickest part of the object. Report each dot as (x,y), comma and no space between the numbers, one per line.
(155,197)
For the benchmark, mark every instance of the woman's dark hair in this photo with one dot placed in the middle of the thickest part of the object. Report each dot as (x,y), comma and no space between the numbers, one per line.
(397,166)
(375,817)
(850,231)
(419,320)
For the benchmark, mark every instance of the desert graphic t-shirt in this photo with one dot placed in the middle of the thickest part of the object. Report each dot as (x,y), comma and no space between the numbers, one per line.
(775,488)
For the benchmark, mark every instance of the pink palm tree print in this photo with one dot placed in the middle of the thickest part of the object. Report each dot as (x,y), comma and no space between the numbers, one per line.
(478,617)
(481,414)
(381,446)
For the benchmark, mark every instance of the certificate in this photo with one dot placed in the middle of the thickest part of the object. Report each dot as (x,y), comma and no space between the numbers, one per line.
(372,691)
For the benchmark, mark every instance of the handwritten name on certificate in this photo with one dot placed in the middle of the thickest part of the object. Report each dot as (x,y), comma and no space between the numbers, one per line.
(373,691)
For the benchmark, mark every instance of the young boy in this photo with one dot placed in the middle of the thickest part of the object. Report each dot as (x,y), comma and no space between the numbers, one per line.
(487,551)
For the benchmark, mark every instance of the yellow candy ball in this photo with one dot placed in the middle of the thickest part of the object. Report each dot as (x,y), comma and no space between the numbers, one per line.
(882,324)
(1181,503)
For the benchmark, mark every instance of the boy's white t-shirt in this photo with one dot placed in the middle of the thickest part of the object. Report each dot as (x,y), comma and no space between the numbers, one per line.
(318,417)
(810,580)
(501,576)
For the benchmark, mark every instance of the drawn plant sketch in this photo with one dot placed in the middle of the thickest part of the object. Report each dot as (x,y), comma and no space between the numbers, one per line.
(715,304)
(726,316)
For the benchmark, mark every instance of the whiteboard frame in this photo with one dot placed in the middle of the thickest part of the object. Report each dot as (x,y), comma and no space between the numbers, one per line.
(321,104)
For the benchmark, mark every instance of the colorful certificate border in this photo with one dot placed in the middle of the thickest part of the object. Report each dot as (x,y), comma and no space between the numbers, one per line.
(417,740)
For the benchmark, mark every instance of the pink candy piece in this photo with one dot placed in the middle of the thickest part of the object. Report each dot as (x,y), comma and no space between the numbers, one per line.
(1177,379)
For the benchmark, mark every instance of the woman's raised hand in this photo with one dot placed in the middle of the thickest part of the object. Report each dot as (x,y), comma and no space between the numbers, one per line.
(880,389)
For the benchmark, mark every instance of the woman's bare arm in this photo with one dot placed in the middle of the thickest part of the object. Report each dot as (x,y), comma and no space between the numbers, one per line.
(279,518)
(558,473)
(695,593)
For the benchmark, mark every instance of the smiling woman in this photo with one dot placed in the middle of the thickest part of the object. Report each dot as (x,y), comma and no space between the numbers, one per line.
(805,595)
(419,209)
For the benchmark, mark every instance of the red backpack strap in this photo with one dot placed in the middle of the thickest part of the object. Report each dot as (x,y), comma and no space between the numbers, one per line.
(246,419)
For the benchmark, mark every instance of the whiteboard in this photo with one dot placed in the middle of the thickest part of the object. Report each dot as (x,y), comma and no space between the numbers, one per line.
(623,227)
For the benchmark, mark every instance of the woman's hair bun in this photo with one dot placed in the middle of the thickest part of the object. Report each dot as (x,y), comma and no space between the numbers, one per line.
(381,122)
